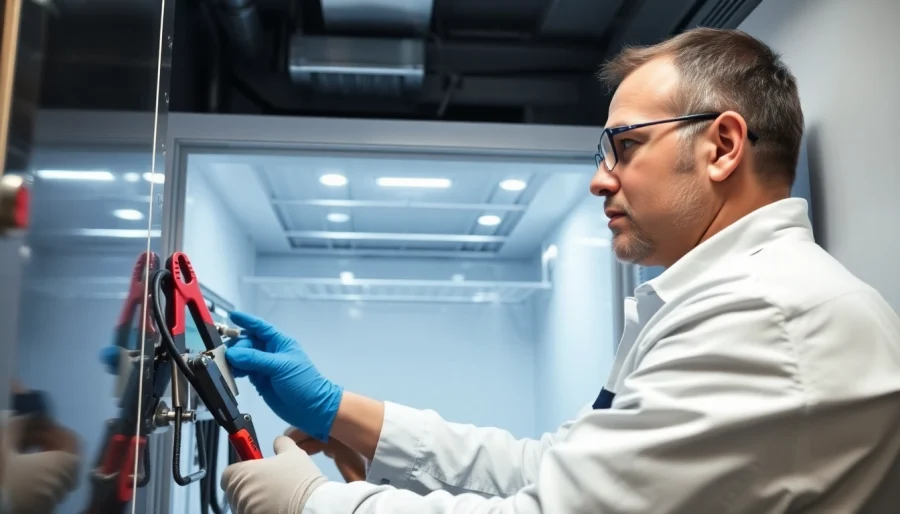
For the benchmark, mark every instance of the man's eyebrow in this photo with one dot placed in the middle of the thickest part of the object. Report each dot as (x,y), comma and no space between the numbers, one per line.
(621,124)
(637,120)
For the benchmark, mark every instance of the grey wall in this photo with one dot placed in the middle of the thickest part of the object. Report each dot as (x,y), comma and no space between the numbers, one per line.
(844,54)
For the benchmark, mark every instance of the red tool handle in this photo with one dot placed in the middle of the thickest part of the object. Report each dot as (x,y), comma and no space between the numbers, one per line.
(113,462)
(245,445)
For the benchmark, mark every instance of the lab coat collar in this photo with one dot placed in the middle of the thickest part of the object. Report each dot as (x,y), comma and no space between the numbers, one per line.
(784,218)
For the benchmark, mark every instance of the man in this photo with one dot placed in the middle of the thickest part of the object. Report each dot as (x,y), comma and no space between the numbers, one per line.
(754,375)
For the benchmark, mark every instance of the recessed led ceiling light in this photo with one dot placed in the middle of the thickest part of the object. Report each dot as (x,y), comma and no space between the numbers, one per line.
(117,232)
(128,214)
(437,183)
(337,217)
(131,177)
(333,179)
(485,297)
(75,175)
(346,277)
(513,184)
(156,178)
(489,220)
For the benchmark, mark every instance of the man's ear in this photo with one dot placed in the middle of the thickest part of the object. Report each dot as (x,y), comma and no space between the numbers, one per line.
(728,135)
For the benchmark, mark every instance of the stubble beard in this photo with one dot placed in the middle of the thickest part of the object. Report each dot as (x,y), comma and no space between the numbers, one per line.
(634,245)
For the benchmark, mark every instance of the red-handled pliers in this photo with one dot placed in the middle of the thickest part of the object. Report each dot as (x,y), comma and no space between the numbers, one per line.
(205,374)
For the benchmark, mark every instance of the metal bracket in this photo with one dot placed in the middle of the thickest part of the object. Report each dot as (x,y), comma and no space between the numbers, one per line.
(166,416)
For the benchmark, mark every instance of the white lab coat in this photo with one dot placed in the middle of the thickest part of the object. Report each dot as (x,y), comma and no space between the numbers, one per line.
(756,375)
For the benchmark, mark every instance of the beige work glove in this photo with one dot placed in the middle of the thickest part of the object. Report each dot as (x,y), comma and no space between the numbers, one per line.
(35,482)
(277,485)
(350,464)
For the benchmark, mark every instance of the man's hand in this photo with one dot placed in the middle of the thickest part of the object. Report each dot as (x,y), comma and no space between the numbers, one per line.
(351,465)
(284,376)
(37,482)
(282,483)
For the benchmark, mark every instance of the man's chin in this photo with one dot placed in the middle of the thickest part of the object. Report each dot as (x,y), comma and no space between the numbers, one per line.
(629,251)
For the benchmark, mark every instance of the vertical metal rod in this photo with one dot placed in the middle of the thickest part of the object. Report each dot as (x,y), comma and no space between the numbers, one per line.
(8,50)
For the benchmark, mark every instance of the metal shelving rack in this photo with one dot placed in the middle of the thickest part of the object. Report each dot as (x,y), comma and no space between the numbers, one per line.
(396,290)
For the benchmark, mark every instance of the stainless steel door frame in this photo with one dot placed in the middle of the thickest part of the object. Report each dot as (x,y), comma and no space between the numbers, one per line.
(10,244)
(13,249)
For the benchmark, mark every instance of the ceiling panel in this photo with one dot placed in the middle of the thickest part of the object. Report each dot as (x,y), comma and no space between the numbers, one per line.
(411,221)
(280,203)
(302,180)
(421,221)
(90,196)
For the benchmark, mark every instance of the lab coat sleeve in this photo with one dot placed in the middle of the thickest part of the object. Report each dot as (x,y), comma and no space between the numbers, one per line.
(421,452)
(709,421)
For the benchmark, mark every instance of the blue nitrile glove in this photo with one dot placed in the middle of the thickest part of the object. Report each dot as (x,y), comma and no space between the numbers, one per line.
(284,376)
(109,355)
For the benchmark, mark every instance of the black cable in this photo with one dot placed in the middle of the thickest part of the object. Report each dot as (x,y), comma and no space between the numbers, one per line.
(201,430)
(156,282)
(176,455)
(216,432)
(232,455)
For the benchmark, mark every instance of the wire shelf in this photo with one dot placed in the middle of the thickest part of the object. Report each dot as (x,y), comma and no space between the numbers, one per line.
(106,288)
(323,289)
(391,290)
(79,288)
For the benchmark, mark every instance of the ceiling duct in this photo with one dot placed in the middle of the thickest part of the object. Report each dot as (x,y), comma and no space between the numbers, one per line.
(390,65)
(241,21)
(351,66)
(390,17)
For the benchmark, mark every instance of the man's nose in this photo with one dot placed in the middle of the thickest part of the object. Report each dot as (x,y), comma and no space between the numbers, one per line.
(604,183)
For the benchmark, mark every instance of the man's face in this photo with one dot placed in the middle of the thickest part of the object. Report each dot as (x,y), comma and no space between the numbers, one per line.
(657,197)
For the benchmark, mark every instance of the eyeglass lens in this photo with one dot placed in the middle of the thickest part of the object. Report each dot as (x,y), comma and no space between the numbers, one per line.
(605,152)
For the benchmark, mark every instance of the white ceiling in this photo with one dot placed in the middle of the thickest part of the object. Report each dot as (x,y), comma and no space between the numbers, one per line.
(283,206)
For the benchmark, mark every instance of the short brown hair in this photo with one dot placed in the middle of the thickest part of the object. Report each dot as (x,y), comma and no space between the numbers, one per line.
(729,70)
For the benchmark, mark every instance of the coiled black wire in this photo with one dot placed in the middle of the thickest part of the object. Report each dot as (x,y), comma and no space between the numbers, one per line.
(202,427)
(169,342)
(209,499)
(176,454)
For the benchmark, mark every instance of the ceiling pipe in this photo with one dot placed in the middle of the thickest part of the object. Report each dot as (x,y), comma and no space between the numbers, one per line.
(240,19)
(389,61)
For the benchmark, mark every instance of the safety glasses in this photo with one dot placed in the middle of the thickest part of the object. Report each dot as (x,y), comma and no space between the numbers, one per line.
(606,149)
